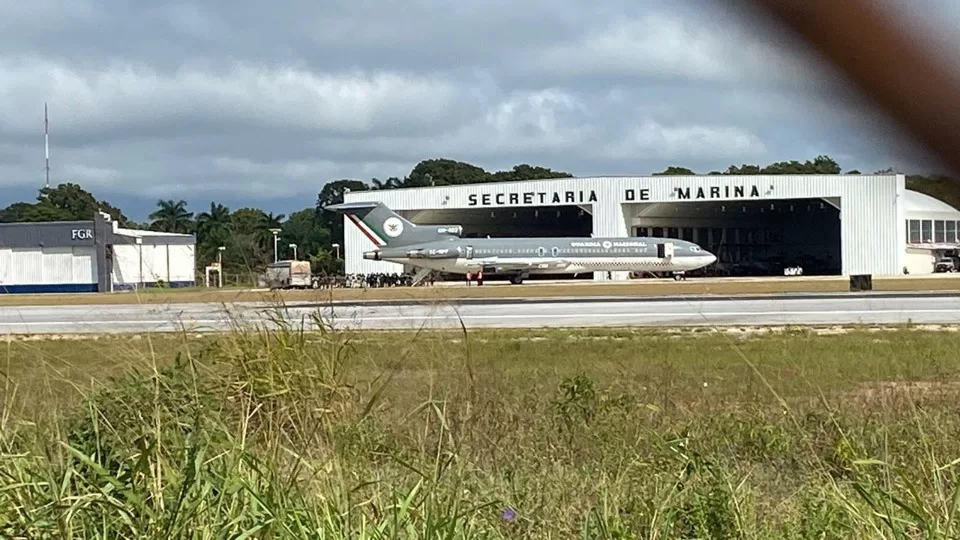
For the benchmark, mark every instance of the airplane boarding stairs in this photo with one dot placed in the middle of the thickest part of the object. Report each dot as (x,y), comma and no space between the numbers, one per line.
(421,275)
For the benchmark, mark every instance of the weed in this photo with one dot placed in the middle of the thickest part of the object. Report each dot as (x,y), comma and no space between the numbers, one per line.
(296,431)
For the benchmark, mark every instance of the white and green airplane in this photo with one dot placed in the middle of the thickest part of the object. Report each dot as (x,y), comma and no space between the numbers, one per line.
(440,247)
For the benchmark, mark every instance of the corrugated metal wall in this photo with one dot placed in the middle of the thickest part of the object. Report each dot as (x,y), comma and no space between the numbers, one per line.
(173,264)
(871,211)
(182,264)
(48,269)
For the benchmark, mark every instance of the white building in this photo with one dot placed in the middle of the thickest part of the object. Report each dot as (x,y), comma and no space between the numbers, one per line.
(146,258)
(932,229)
(827,224)
(91,256)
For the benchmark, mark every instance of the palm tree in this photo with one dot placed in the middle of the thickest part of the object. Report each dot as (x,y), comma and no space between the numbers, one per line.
(273,221)
(214,221)
(172,217)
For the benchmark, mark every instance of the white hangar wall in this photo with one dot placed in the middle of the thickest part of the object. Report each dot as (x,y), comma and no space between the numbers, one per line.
(872,208)
(48,269)
(146,258)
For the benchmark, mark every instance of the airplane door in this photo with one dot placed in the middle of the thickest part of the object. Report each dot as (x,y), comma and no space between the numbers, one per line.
(469,252)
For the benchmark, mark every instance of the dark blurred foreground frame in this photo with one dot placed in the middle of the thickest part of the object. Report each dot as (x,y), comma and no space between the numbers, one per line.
(883,58)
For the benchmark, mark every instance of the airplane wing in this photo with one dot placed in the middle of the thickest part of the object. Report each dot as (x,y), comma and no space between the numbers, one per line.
(551,264)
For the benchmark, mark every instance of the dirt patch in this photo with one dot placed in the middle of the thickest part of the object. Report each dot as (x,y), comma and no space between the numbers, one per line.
(874,390)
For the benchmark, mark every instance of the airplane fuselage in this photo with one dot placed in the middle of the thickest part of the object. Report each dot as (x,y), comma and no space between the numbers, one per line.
(549,255)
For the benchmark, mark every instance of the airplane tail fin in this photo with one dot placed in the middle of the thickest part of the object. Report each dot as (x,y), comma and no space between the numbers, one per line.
(384,227)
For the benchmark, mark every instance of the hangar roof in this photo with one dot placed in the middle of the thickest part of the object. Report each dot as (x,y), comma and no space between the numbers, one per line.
(919,205)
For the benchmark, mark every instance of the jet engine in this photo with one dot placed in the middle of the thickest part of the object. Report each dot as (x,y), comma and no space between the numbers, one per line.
(372,255)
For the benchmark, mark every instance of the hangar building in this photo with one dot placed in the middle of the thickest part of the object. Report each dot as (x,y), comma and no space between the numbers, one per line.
(756,225)
(91,256)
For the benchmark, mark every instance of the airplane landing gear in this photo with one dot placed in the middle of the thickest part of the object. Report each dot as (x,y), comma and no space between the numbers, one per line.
(679,276)
(517,279)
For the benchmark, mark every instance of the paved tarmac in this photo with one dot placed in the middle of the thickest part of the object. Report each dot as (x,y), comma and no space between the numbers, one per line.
(528,313)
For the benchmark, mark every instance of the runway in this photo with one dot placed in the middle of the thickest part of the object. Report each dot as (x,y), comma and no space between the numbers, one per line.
(530,313)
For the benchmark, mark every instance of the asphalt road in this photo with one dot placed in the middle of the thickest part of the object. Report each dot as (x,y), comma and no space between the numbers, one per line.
(529,313)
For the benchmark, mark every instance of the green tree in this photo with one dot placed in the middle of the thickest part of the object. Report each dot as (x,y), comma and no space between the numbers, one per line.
(65,202)
(302,229)
(172,216)
(675,171)
(390,183)
(332,193)
(526,172)
(213,231)
(445,172)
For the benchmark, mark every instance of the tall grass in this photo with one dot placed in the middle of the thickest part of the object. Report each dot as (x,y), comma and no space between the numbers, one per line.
(301,432)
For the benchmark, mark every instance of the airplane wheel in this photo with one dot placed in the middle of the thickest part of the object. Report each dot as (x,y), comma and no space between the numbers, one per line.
(516,280)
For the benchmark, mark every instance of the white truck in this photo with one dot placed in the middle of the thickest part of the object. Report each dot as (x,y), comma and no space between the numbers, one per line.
(288,275)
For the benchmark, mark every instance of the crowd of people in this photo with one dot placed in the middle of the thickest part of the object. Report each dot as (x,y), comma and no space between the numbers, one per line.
(376,280)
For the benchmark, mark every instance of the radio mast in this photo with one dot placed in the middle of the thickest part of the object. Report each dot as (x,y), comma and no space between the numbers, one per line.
(46,143)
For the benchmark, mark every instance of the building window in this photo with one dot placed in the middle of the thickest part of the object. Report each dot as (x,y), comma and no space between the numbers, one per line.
(914,236)
(926,231)
(951,232)
(939,235)
(673,232)
(642,231)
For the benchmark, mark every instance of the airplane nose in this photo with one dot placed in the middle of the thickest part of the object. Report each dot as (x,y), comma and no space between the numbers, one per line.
(711,257)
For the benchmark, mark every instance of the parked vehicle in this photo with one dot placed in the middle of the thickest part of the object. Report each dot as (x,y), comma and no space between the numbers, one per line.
(944,264)
(288,275)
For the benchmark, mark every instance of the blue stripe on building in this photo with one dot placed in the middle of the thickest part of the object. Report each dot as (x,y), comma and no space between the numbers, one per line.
(85,287)
(49,288)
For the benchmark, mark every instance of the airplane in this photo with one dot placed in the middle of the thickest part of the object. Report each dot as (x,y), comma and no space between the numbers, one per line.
(440,247)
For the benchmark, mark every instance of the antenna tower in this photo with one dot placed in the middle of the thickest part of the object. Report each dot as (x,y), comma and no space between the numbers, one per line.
(46,143)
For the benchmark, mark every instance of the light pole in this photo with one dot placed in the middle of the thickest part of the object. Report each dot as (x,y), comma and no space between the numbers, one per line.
(294,248)
(140,256)
(275,233)
(220,251)
(337,248)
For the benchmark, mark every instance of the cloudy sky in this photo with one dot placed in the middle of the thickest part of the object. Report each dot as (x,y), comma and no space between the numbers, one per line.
(255,105)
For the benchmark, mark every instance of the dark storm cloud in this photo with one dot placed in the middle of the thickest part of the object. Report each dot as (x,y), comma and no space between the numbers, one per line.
(243,98)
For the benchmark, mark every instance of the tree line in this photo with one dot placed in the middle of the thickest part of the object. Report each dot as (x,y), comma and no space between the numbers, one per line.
(245,232)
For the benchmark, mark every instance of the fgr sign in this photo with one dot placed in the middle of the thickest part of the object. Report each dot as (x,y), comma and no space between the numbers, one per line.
(81,234)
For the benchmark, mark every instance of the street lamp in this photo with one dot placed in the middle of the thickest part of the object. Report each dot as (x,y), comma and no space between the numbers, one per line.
(337,247)
(220,250)
(294,248)
(139,242)
(275,233)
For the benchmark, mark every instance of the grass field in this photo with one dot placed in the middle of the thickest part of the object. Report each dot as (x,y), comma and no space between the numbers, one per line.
(486,435)
(716,286)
